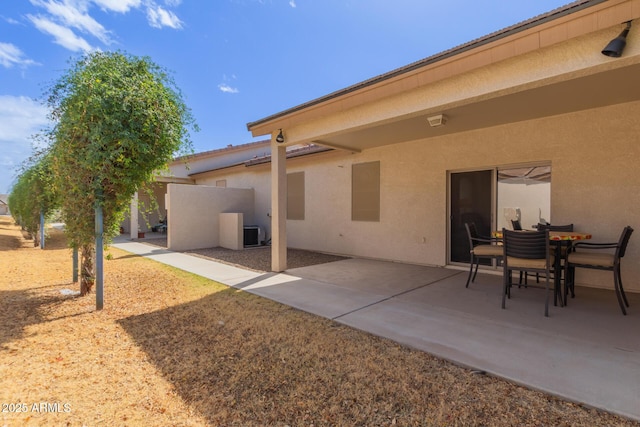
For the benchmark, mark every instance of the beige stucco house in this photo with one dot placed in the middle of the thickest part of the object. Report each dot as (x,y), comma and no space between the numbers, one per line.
(532,121)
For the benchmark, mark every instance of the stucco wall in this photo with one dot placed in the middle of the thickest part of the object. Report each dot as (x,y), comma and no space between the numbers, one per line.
(194,213)
(595,183)
(256,178)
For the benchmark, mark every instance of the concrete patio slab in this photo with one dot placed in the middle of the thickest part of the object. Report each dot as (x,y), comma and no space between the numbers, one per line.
(568,354)
(383,278)
(217,271)
(319,298)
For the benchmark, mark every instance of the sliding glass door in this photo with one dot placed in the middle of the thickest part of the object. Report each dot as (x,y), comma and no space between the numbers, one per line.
(524,194)
(491,198)
(471,200)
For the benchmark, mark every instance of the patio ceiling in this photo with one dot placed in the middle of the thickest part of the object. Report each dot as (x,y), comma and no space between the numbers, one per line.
(597,90)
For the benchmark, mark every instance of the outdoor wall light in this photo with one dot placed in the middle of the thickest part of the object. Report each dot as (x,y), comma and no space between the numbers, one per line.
(438,120)
(280,137)
(616,46)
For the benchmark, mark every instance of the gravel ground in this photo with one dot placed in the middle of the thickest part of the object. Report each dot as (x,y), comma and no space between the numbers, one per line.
(256,259)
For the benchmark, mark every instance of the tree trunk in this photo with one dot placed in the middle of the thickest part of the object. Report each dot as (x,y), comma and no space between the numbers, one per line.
(87,275)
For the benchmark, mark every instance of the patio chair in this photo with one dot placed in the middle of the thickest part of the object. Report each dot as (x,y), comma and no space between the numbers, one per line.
(527,252)
(480,248)
(581,257)
(564,248)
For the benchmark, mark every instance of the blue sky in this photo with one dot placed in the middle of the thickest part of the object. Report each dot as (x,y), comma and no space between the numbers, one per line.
(235,61)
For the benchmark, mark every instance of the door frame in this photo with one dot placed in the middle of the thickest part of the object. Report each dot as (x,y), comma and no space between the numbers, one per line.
(494,207)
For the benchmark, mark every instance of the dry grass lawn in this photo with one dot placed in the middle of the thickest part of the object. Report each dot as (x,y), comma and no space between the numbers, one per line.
(173,349)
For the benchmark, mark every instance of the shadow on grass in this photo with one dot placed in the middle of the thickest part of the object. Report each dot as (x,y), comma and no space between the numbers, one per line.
(54,240)
(20,309)
(10,243)
(242,360)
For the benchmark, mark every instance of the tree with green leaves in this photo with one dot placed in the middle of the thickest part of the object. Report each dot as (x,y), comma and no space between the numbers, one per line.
(33,195)
(118,119)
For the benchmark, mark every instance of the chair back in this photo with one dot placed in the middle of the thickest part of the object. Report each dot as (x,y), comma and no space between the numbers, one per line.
(516,224)
(472,234)
(526,244)
(568,227)
(624,240)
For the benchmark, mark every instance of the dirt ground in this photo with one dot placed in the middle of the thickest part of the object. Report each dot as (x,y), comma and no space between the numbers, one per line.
(173,349)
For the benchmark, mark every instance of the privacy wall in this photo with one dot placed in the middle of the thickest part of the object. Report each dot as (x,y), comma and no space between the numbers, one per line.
(194,212)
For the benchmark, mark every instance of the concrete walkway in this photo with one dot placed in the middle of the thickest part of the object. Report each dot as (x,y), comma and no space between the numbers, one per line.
(586,352)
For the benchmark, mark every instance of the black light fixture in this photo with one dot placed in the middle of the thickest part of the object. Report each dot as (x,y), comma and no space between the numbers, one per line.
(616,46)
(280,137)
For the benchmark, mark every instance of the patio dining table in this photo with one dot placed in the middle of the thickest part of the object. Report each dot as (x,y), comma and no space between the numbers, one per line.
(555,236)
(559,239)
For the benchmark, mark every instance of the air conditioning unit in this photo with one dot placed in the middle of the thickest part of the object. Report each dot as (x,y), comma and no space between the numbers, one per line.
(253,236)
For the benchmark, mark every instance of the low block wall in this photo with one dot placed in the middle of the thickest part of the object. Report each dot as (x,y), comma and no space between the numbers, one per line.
(194,213)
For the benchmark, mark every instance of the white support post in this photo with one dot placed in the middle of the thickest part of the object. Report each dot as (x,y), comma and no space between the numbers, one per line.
(278,206)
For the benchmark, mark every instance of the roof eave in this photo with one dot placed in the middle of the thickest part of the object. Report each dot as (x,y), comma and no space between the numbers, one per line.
(474,44)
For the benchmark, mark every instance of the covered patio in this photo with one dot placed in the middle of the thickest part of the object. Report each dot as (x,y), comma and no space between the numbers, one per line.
(424,148)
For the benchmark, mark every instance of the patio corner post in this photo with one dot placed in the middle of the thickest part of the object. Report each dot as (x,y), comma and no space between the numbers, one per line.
(278,206)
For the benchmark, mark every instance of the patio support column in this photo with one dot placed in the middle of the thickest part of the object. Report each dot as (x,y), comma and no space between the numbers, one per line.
(278,206)
(133,221)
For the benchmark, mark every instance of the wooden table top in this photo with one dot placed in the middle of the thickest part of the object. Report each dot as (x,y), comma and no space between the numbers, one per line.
(556,235)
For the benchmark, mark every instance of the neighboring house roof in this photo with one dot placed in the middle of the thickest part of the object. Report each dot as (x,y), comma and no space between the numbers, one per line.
(3,199)
(220,151)
(292,152)
(493,37)
(185,166)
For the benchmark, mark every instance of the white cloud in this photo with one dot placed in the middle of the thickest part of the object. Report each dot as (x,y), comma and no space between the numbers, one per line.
(20,118)
(63,19)
(74,15)
(159,17)
(119,6)
(11,55)
(292,3)
(62,35)
(10,20)
(227,89)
